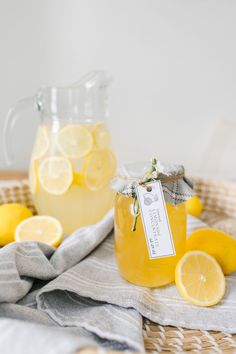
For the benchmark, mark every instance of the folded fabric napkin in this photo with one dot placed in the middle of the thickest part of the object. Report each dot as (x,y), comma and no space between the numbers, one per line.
(60,300)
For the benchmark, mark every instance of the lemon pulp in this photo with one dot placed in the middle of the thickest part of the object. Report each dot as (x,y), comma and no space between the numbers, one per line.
(74,141)
(199,279)
(44,229)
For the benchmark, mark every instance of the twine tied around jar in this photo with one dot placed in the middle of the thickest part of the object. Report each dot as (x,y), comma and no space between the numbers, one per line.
(152,175)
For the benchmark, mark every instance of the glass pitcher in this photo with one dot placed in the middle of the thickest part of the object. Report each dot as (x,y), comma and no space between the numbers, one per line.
(72,161)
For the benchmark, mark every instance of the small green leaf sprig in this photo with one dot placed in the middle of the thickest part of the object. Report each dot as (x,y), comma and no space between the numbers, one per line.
(150,176)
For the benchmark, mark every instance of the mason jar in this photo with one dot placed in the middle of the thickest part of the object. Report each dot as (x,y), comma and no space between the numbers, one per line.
(132,248)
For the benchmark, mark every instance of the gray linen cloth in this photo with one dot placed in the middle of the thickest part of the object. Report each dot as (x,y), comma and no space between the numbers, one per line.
(58,301)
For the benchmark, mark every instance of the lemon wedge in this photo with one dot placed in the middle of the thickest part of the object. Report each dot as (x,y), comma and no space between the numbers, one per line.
(199,279)
(55,175)
(74,141)
(101,136)
(99,169)
(41,143)
(44,229)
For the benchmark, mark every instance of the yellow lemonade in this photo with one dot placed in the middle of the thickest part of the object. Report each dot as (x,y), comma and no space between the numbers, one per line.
(70,171)
(131,248)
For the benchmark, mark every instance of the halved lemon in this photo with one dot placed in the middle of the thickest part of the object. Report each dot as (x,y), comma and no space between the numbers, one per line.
(41,143)
(55,175)
(199,279)
(33,180)
(101,135)
(99,169)
(74,141)
(44,229)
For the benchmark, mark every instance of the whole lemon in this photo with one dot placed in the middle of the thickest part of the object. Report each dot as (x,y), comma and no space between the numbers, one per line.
(10,216)
(216,243)
(194,206)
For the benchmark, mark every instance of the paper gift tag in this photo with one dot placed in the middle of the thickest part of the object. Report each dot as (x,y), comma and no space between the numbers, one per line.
(155,220)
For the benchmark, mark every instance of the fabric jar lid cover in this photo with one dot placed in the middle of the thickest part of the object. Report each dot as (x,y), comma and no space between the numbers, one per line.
(176,187)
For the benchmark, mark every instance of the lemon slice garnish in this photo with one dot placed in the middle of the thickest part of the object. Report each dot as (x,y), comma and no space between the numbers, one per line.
(101,136)
(99,169)
(199,279)
(55,175)
(41,143)
(74,141)
(44,229)
(33,180)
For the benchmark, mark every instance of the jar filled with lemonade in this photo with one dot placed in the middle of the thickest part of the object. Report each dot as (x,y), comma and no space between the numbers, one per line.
(72,161)
(150,221)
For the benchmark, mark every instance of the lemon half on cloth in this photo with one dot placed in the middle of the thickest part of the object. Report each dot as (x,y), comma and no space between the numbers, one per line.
(44,229)
(199,279)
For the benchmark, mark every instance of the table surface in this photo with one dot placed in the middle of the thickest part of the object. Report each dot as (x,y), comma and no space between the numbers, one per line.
(8,175)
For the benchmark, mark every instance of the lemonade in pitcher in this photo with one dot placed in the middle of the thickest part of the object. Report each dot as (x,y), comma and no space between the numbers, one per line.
(70,172)
(72,161)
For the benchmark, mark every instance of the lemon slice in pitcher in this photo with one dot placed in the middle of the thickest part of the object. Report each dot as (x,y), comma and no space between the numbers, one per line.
(55,175)
(199,279)
(99,169)
(41,143)
(74,141)
(101,136)
(44,229)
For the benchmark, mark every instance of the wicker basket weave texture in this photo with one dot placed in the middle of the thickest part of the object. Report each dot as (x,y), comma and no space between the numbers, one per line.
(219,199)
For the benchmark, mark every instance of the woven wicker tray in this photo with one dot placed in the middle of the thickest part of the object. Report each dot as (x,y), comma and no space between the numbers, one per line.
(219,199)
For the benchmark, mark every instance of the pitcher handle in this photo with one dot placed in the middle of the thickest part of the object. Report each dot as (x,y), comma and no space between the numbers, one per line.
(12,117)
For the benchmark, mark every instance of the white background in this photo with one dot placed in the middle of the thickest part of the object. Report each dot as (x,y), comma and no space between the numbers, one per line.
(173,64)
